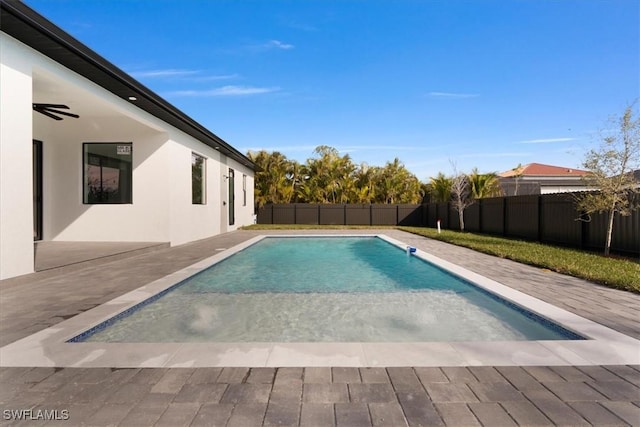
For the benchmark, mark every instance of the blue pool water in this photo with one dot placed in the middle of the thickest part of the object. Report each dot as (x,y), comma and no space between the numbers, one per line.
(325,289)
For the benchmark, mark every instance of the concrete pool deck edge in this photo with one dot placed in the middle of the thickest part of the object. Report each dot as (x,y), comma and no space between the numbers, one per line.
(49,347)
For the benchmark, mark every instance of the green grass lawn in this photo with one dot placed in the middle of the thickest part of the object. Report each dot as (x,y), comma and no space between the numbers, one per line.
(615,272)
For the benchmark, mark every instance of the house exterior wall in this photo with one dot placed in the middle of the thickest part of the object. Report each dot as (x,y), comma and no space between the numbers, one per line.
(529,185)
(188,221)
(244,211)
(67,218)
(161,208)
(16,186)
(550,189)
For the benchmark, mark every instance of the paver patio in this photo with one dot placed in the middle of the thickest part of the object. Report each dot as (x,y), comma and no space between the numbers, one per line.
(514,395)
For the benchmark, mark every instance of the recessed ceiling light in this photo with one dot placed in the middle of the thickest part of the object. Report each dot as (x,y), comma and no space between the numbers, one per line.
(133,98)
(217,148)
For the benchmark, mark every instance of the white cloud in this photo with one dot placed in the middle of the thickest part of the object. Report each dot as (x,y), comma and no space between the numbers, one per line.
(277,44)
(546,140)
(451,95)
(295,148)
(164,73)
(257,48)
(495,154)
(226,91)
(352,148)
(215,77)
(194,75)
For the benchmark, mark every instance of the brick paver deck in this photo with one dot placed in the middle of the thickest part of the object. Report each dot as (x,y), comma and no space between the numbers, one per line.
(491,396)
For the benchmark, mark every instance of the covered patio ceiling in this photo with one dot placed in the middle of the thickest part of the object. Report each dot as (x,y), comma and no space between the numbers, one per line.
(49,90)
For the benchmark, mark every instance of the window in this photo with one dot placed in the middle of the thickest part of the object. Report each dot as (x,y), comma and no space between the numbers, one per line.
(198,179)
(107,173)
(244,190)
(232,197)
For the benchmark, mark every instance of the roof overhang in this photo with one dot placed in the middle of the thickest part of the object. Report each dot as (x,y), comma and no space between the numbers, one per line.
(26,25)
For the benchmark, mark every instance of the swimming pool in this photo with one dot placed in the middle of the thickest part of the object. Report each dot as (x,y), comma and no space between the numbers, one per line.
(52,346)
(324,289)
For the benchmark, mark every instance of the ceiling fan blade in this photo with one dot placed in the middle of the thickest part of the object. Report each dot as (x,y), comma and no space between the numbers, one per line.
(49,110)
(61,112)
(36,105)
(41,111)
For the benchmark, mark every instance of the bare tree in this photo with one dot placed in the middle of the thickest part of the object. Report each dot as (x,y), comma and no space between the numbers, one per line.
(461,193)
(611,168)
(518,171)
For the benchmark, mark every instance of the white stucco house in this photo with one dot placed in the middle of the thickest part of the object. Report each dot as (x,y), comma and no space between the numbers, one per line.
(131,167)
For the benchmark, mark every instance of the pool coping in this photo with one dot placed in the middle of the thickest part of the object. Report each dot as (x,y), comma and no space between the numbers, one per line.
(49,347)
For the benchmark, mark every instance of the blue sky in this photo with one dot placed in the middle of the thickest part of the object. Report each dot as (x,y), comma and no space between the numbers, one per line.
(485,83)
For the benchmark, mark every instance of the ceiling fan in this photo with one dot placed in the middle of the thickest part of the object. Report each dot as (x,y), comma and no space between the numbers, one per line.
(51,110)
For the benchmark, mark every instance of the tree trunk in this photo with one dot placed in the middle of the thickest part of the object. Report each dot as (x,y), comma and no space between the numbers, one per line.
(461,216)
(607,246)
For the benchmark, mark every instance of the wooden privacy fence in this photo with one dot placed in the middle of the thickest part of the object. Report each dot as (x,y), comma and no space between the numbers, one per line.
(548,218)
(341,214)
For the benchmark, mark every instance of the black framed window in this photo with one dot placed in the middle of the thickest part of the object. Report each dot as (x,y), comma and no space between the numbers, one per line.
(198,179)
(232,197)
(107,172)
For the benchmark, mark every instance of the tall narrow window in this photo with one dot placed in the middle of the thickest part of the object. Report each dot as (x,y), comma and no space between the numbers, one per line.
(244,190)
(107,173)
(198,179)
(232,197)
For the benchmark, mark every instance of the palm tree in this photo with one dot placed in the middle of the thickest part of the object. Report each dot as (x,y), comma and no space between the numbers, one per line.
(271,184)
(294,176)
(364,184)
(330,178)
(484,185)
(441,188)
(396,184)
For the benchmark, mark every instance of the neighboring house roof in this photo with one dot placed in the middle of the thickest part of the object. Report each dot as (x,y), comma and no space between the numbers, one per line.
(540,170)
(26,25)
